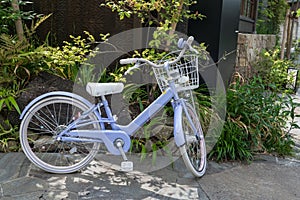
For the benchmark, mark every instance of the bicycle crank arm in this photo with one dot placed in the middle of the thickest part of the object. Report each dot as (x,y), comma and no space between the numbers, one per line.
(108,137)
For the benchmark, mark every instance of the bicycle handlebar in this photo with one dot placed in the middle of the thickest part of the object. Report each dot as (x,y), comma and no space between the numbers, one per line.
(128,61)
(181,44)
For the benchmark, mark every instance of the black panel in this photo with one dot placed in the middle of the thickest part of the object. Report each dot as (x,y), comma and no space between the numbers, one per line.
(208,29)
(218,30)
(228,37)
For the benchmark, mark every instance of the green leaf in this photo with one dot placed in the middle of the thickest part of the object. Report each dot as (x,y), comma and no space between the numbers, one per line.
(7,103)
(143,152)
(127,14)
(1,103)
(14,103)
(154,154)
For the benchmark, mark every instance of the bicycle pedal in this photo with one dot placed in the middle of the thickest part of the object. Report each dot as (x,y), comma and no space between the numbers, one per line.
(126,166)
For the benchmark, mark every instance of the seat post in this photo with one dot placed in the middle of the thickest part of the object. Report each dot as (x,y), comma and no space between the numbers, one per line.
(106,107)
(103,98)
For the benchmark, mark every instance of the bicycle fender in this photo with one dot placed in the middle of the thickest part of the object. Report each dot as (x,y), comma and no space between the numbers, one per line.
(56,93)
(178,131)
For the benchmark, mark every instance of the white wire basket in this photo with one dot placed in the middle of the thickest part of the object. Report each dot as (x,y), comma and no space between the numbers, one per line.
(184,73)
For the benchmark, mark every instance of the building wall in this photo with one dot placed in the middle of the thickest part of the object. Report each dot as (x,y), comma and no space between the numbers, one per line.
(248,48)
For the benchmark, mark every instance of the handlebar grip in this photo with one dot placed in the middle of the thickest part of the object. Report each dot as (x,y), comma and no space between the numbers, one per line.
(128,61)
(190,40)
(181,42)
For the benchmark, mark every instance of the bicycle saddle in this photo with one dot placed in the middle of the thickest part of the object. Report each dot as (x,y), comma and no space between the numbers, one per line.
(101,89)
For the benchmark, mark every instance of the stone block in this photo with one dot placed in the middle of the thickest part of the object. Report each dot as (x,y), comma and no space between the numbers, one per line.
(241,38)
(249,46)
(242,62)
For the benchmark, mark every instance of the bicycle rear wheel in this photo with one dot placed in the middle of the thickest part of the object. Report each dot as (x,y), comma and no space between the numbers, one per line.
(41,124)
(193,151)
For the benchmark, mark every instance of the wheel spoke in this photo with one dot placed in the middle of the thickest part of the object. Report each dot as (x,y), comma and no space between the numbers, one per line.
(40,127)
(44,122)
(39,131)
(52,118)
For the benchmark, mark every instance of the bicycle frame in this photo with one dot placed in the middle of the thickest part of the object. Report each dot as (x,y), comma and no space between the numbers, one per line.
(123,132)
(61,131)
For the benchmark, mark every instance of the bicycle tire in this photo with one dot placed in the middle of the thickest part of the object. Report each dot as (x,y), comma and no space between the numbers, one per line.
(43,121)
(193,151)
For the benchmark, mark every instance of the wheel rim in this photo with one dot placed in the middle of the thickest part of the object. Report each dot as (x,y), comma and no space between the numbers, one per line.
(194,146)
(194,152)
(40,128)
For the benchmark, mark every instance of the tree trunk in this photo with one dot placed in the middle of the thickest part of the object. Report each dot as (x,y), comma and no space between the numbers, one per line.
(289,34)
(174,24)
(18,22)
(290,42)
(284,34)
(176,16)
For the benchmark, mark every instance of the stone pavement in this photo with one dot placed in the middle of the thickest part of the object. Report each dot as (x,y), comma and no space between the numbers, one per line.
(266,178)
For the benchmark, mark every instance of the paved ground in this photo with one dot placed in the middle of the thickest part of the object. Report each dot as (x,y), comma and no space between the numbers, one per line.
(266,178)
(296,132)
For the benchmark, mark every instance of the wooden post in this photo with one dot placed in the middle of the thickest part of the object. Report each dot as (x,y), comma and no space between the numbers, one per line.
(18,22)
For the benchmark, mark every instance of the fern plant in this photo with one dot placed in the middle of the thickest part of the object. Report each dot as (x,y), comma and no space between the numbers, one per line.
(8,137)
(7,100)
(10,49)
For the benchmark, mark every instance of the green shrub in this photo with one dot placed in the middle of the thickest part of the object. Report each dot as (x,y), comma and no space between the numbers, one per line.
(255,122)
(8,16)
(65,61)
(271,14)
(7,99)
(9,137)
(273,70)
(21,60)
(8,133)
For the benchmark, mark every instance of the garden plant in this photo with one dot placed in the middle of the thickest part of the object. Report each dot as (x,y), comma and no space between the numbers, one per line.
(257,109)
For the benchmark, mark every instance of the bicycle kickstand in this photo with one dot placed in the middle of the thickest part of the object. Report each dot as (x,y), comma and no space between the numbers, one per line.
(126,166)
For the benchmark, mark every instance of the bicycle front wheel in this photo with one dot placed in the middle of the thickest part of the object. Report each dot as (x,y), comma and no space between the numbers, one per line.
(193,151)
(40,126)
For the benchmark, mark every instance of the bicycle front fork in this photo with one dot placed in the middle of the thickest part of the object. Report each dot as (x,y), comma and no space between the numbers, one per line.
(180,109)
